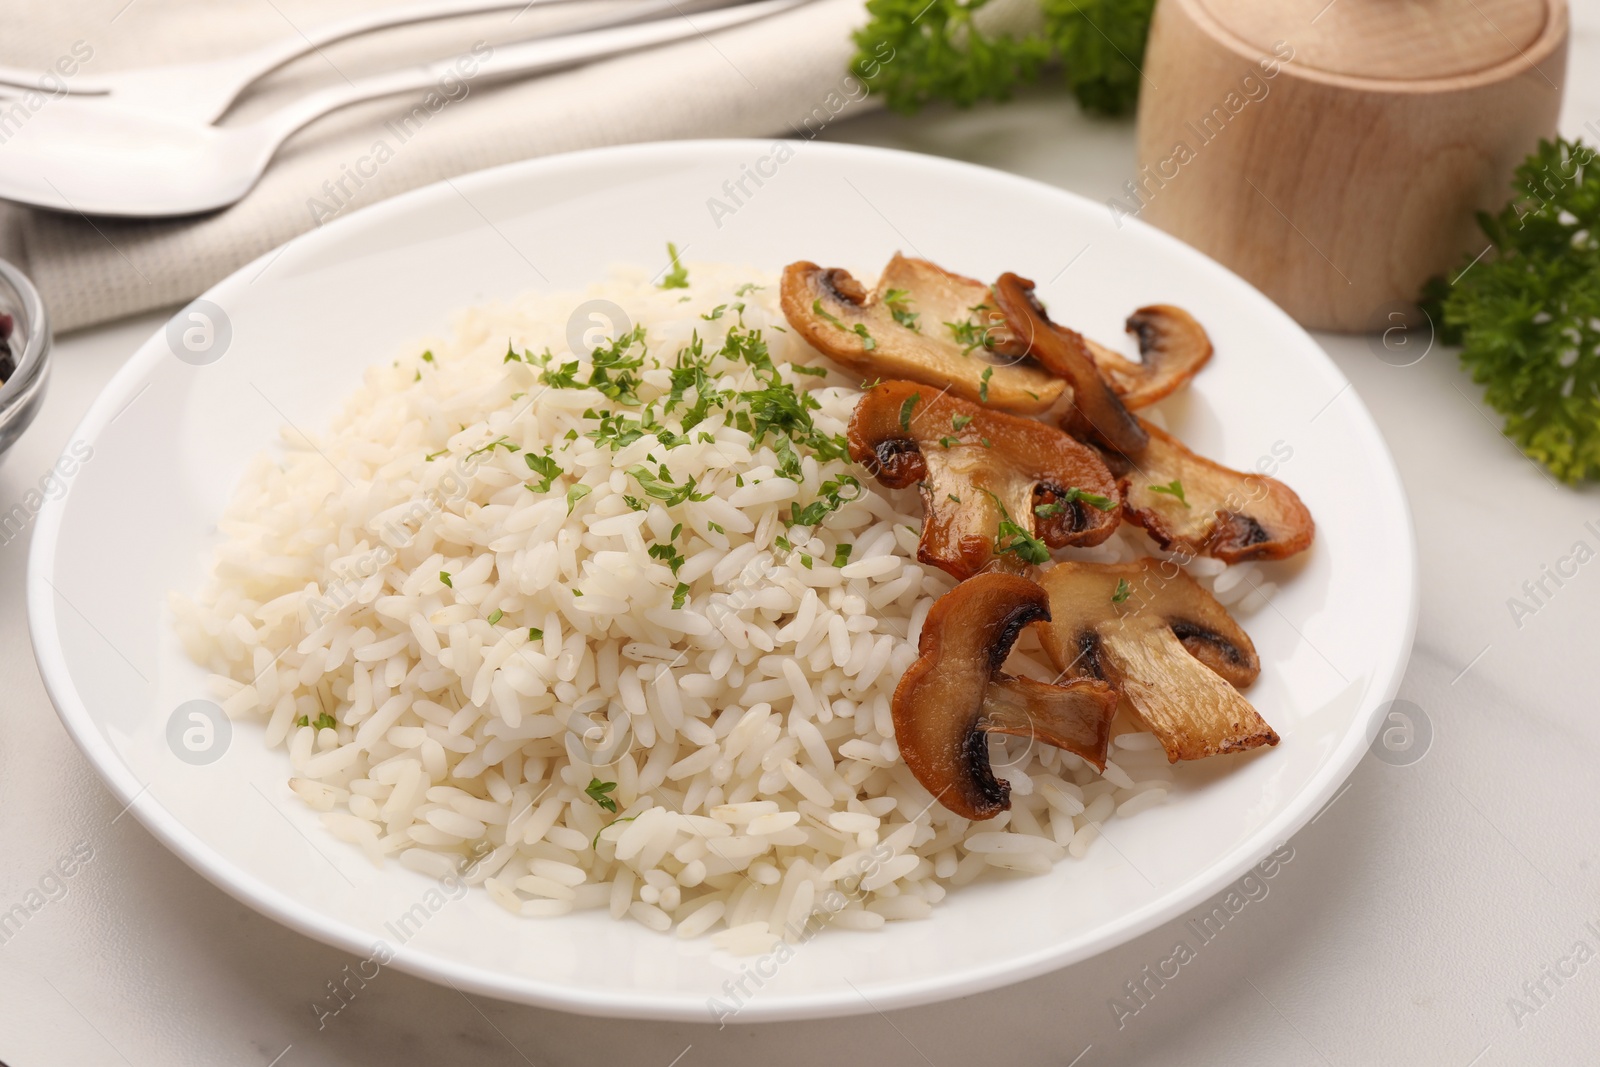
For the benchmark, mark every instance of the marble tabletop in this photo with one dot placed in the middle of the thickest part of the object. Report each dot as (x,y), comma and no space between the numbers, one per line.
(1443,909)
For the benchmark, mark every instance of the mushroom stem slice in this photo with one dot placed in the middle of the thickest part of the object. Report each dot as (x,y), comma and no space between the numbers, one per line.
(1187,502)
(1075,716)
(921,323)
(955,693)
(1172,349)
(1095,408)
(996,489)
(1172,650)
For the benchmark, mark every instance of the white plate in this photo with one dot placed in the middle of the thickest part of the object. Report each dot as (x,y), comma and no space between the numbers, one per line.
(169,440)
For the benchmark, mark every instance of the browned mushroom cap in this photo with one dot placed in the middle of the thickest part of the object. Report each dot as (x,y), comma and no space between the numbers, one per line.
(1187,502)
(921,324)
(1172,349)
(955,693)
(1166,644)
(1095,408)
(979,469)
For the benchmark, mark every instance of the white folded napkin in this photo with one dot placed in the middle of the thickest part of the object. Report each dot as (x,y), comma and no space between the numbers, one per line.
(787,75)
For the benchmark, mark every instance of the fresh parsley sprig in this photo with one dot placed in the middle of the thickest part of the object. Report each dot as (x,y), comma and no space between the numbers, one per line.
(918,51)
(1528,315)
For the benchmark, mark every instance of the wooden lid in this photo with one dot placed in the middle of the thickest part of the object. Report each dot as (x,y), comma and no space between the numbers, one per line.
(1408,40)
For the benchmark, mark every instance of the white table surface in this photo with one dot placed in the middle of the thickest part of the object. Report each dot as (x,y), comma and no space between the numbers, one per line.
(1416,907)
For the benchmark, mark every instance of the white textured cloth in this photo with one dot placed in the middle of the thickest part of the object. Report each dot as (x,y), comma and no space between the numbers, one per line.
(768,78)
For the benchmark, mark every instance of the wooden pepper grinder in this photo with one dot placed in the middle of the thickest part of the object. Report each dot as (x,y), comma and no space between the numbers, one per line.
(1334,153)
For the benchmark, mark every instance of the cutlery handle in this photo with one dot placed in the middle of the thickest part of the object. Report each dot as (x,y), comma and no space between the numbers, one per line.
(530,57)
(252,66)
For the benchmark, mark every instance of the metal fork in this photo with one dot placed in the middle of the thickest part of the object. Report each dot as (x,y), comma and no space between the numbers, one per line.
(203,92)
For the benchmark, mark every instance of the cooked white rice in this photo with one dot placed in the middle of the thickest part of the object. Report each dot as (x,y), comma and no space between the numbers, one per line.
(757,783)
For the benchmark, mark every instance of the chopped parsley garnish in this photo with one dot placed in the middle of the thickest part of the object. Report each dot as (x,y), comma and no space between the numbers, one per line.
(535,634)
(868,342)
(952,498)
(805,561)
(499,442)
(960,422)
(427,357)
(598,792)
(678,276)
(841,555)
(1123,589)
(431,456)
(545,467)
(304,720)
(949,441)
(747,288)
(1173,488)
(715,313)
(565,377)
(898,301)
(669,555)
(1013,538)
(577,493)
(325,722)
(983,385)
(660,485)
(906,410)
(680,595)
(830,499)
(1094,500)
(814,372)
(444,576)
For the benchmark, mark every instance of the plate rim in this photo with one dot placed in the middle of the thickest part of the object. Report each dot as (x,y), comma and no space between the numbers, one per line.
(280,907)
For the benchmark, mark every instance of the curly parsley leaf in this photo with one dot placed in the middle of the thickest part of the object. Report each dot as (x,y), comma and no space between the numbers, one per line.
(918,51)
(1528,316)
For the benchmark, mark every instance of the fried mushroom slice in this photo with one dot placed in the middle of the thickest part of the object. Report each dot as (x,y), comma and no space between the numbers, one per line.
(1172,349)
(1095,409)
(955,694)
(995,488)
(922,324)
(1166,644)
(1188,503)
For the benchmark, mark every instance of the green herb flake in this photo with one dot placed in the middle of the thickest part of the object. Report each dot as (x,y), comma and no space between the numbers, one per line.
(907,408)
(680,595)
(1123,589)
(577,493)
(678,276)
(1173,489)
(304,720)
(983,386)
(535,634)
(949,441)
(960,422)
(495,616)
(898,302)
(805,561)
(841,555)
(599,793)
(427,357)
(1012,538)
(444,576)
